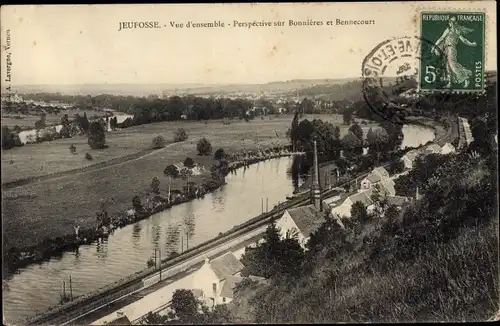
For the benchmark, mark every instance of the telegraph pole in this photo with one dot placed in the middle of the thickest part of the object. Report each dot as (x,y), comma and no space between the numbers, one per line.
(70,289)
(159,254)
(267,205)
(187,241)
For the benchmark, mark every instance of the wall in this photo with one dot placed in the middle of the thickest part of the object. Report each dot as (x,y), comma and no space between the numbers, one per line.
(203,280)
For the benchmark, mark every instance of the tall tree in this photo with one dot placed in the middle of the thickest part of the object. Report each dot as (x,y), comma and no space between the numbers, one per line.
(96,137)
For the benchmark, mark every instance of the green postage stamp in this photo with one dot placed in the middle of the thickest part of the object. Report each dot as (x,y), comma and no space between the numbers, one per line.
(452,56)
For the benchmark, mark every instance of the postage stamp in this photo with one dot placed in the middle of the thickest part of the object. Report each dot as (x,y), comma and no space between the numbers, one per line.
(458,39)
(391,68)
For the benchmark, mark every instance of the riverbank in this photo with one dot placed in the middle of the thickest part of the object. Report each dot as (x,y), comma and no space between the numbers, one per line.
(16,258)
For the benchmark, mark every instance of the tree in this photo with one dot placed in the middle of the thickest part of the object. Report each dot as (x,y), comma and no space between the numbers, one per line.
(158,142)
(184,304)
(219,170)
(84,123)
(155,186)
(96,137)
(352,145)
(294,130)
(219,154)
(180,135)
(171,172)
(347,115)
(136,203)
(204,147)
(189,163)
(358,212)
(355,129)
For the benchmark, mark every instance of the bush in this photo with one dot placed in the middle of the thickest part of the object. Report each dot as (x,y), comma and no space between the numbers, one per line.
(219,154)
(158,142)
(188,162)
(88,156)
(180,135)
(204,147)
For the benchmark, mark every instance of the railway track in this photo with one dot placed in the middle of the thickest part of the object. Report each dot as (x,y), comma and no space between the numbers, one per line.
(83,306)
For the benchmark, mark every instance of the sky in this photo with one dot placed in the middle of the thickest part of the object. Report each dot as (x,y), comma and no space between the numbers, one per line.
(81,44)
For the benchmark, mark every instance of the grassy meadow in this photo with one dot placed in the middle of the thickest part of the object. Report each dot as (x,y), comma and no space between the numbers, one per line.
(28,121)
(51,208)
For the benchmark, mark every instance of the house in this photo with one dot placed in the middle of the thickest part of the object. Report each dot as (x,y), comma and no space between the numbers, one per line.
(378,175)
(409,158)
(433,149)
(121,320)
(387,188)
(447,149)
(195,170)
(227,292)
(300,222)
(344,210)
(370,180)
(211,276)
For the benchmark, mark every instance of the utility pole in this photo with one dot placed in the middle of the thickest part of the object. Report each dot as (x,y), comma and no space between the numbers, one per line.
(262,205)
(182,244)
(187,241)
(64,291)
(70,289)
(267,205)
(159,254)
(156,264)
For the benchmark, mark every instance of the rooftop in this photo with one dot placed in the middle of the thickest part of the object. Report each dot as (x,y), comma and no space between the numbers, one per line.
(307,218)
(363,197)
(231,282)
(226,265)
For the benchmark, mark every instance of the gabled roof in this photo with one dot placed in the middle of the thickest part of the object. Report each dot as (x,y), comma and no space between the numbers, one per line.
(363,197)
(307,218)
(231,282)
(381,172)
(388,187)
(373,178)
(412,154)
(197,293)
(120,321)
(434,148)
(226,265)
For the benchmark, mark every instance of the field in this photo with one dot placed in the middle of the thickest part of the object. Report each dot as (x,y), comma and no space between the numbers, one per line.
(75,198)
(28,121)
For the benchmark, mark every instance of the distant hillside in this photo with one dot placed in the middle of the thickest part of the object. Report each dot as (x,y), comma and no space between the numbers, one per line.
(158,89)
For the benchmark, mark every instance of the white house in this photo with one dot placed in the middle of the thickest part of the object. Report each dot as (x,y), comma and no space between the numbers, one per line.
(433,149)
(447,149)
(300,222)
(378,175)
(211,276)
(344,210)
(195,170)
(409,158)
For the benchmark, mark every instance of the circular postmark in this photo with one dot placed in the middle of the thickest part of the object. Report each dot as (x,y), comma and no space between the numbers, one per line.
(391,73)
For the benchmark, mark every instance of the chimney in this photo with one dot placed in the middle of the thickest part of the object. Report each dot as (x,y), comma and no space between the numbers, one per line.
(417,195)
(315,191)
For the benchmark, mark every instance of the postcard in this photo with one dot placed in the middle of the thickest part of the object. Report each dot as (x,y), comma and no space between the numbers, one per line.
(249,163)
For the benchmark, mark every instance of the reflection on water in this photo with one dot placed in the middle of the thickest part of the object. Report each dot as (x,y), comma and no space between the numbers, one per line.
(127,250)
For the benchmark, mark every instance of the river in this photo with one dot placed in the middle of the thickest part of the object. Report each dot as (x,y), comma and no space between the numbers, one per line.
(37,287)
(127,250)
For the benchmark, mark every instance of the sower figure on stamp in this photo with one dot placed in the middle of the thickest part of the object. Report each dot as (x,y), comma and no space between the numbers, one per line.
(447,45)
